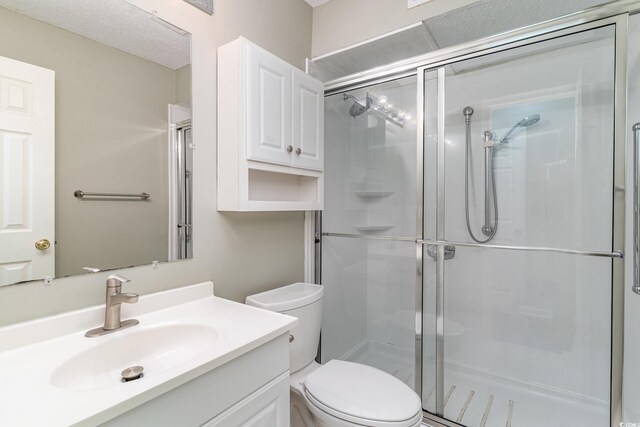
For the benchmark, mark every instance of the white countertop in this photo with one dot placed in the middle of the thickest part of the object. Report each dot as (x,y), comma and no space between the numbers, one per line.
(30,353)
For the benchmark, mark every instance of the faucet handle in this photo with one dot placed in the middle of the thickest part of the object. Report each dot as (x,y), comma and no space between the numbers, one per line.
(116,280)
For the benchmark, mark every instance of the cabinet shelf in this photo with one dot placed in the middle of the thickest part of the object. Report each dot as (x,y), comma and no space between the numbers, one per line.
(282,189)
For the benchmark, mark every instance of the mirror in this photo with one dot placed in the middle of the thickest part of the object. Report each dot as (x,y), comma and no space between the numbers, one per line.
(95,138)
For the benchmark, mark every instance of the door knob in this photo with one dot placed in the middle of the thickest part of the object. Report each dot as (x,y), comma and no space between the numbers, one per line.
(289,149)
(43,244)
(298,151)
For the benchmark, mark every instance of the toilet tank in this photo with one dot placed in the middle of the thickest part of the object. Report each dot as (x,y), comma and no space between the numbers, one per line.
(301,300)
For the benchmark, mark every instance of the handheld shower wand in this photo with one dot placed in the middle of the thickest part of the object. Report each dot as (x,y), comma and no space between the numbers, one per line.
(524,123)
(489,228)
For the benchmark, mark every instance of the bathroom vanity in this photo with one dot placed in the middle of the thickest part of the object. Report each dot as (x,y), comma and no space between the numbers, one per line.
(206,360)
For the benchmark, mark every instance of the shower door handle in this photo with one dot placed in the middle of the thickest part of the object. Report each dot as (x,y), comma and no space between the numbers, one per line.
(636,209)
(188,212)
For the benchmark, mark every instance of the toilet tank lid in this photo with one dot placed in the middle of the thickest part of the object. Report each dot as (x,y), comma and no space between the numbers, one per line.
(286,297)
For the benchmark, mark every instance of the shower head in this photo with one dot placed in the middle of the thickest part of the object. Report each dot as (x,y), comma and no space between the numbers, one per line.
(527,121)
(358,107)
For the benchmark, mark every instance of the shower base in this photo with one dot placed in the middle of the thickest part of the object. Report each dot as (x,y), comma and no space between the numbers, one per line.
(393,360)
(476,398)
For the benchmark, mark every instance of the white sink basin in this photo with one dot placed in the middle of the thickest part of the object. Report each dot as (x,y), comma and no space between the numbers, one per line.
(52,375)
(157,349)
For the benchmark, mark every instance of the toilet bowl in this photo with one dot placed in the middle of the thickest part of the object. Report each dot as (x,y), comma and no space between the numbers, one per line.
(338,393)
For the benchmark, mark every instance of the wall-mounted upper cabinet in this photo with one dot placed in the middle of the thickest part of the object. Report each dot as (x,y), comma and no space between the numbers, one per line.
(270,132)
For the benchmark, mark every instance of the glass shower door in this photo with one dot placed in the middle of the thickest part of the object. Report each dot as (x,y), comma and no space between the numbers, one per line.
(369,228)
(524,140)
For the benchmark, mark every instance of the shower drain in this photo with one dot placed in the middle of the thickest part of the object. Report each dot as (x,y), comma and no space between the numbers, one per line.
(132,373)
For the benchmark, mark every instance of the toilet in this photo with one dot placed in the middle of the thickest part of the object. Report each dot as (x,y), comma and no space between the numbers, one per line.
(338,393)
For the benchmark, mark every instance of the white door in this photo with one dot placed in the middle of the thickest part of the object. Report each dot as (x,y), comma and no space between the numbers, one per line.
(268,107)
(27,124)
(308,122)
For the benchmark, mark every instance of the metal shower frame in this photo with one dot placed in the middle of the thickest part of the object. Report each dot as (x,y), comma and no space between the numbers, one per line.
(616,14)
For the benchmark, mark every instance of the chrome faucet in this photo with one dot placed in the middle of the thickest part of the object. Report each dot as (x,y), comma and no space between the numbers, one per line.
(115,297)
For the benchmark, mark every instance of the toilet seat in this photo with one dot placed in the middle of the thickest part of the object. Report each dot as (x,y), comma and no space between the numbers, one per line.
(363,395)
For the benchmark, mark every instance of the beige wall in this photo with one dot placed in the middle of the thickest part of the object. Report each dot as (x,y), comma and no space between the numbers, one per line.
(283,27)
(241,253)
(341,23)
(183,84)
(111,121)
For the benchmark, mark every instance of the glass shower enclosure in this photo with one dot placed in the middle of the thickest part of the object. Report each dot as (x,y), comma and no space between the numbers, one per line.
(370,179)
(471,237)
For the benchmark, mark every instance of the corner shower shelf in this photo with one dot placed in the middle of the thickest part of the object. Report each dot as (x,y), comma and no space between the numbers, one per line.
(373,194)
(373,228)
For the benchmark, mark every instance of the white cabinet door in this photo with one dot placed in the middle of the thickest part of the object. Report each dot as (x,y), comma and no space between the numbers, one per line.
(267,407)
(26,171)
(308,122)
(268,100)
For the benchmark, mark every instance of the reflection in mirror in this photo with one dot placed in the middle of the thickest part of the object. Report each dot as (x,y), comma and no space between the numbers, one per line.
(95,111)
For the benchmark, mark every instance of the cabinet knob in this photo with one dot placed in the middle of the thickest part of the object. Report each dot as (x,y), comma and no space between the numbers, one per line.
(298,151)
(289,149)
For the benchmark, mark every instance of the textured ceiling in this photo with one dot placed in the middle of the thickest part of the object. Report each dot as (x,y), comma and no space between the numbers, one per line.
(316,3)
(115,23)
